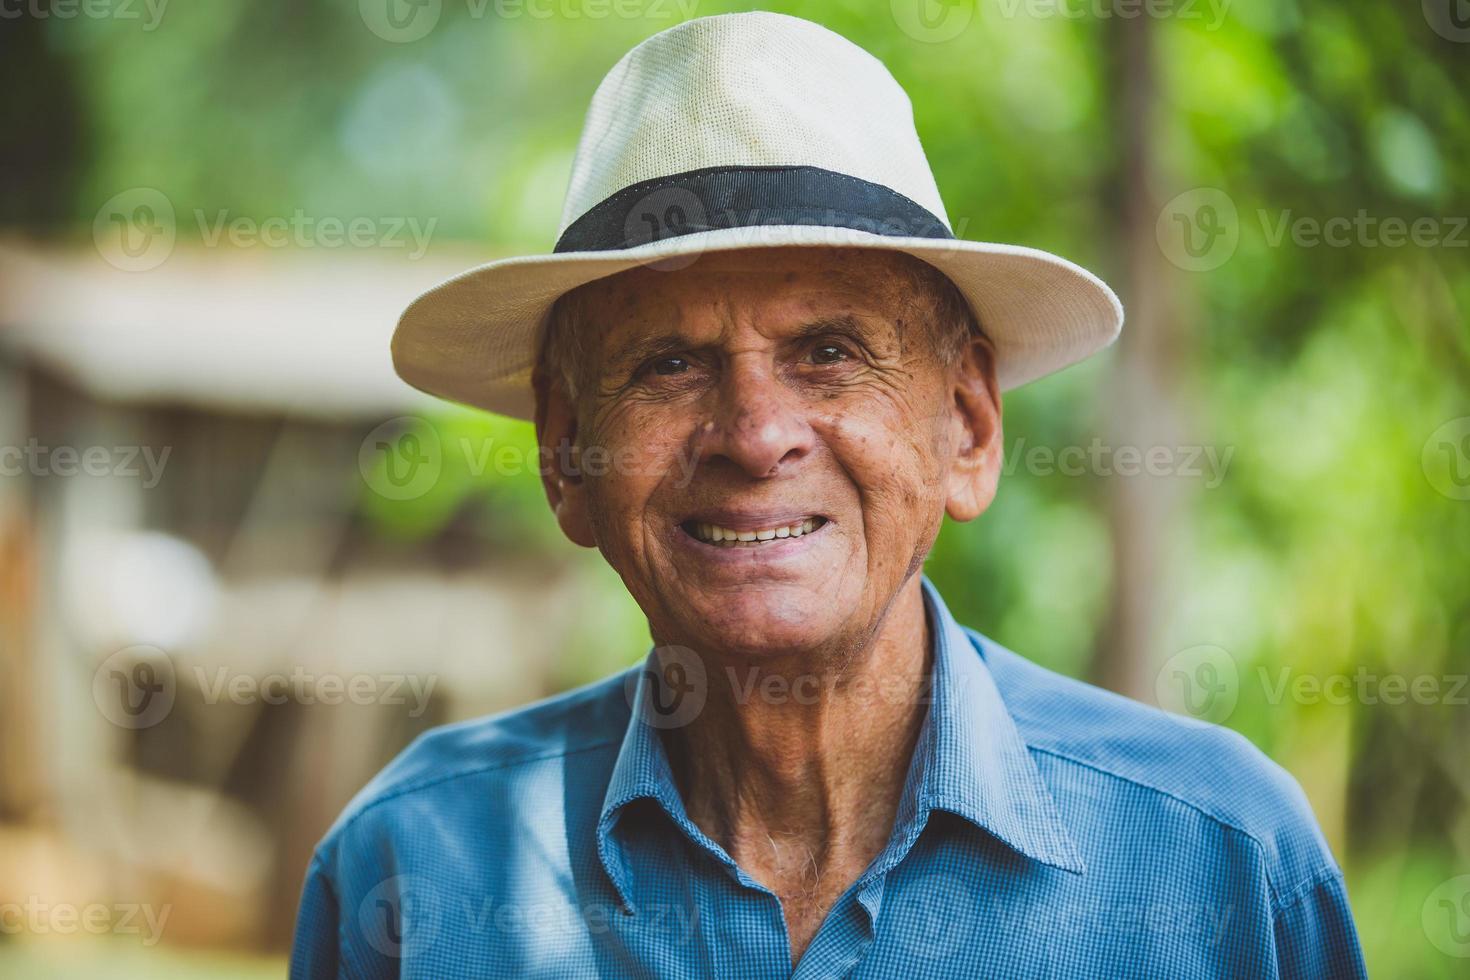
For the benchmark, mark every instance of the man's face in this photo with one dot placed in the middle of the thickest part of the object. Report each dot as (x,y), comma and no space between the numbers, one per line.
(792,399)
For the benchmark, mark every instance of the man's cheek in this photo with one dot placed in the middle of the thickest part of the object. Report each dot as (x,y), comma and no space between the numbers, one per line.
(907,472)
(905,507)
(646,451)
(623,500)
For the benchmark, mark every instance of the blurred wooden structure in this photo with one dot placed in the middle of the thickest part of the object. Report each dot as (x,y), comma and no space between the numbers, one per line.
(260,377)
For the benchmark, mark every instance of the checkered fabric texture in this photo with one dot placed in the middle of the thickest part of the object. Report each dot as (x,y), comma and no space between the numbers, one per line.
(1046,829)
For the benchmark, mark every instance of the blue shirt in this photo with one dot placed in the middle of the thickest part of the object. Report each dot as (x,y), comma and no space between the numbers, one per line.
(1046,829)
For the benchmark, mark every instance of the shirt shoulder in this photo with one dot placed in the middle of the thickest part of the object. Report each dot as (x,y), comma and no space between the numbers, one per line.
(1211,770)
(500,748)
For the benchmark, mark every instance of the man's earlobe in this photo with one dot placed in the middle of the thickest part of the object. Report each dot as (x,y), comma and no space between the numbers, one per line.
(558,458)
(975,461)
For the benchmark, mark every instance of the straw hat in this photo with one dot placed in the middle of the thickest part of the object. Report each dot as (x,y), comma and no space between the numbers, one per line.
(739,131)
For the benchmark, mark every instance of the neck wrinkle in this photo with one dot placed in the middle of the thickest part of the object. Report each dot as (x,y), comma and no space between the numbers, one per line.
(782,770)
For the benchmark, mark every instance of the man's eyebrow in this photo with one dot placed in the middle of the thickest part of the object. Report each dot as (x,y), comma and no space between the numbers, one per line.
(644,348)
(640,350)
(844,323)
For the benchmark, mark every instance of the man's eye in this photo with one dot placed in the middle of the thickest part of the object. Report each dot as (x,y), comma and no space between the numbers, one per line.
(670,365)
(828,354)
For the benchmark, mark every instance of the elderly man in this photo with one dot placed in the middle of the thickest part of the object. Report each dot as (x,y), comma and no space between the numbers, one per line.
(766,371)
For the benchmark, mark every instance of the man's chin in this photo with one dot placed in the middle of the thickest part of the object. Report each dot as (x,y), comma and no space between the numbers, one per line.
(763,623)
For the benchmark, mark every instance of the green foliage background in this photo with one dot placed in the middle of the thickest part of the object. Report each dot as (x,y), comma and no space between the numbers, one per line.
(1326,549)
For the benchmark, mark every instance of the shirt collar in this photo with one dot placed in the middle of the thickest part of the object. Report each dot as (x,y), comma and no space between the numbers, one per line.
(970,760)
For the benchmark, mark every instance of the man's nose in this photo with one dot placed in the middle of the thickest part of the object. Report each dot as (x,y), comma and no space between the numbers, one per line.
(757,423)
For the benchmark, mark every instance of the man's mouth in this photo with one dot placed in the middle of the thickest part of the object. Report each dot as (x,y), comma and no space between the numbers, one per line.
(725,537)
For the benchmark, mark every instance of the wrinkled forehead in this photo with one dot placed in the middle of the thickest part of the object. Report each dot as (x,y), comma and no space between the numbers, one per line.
(768,289)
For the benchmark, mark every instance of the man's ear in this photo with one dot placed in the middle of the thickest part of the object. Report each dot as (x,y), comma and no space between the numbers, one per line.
(561,477)
(975,420)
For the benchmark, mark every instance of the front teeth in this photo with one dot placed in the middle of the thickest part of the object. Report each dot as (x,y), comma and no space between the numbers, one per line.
(714,534)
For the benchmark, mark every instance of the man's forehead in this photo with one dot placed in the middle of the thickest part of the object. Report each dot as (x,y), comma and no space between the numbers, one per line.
(767,287)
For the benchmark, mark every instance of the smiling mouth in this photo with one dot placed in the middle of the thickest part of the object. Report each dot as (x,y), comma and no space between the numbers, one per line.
(725,537)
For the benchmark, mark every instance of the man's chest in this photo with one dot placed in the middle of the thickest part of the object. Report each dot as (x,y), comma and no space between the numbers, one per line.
(804,908)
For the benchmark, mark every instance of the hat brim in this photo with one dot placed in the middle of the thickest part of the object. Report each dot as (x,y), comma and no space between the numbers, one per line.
(472,339)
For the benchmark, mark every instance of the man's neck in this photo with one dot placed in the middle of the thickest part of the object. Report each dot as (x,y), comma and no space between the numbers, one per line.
(796,769)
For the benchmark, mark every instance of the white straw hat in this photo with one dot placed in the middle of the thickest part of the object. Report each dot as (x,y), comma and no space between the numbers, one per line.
(739,131)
